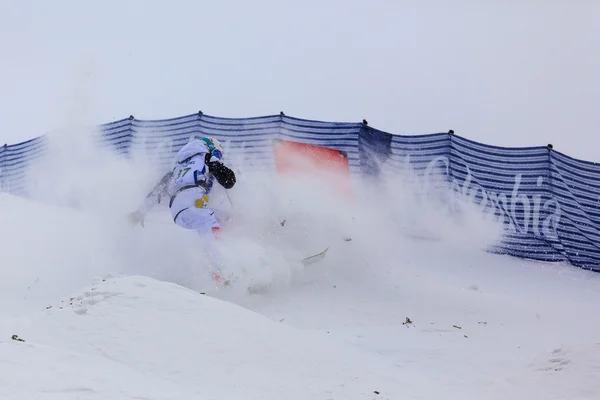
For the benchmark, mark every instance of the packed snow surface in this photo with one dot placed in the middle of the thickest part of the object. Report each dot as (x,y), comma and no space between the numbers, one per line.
(407,304)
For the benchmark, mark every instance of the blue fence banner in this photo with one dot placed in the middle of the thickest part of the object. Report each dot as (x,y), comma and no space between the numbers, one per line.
(575,188)
(16,158)
(548,202)
(3,151)
(513,183)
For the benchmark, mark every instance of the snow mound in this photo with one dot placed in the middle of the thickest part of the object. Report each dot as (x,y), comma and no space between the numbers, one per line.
(567,372)
(141,338)
(34,371)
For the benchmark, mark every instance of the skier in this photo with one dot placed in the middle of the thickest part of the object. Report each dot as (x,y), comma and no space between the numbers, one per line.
(188,186)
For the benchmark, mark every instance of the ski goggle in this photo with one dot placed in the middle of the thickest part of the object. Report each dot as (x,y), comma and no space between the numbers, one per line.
(217,153)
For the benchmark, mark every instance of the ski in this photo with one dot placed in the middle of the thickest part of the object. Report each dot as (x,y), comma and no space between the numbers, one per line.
(314,258)
(223,283)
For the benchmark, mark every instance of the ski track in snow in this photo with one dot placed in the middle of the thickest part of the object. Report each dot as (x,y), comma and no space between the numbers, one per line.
(108,311)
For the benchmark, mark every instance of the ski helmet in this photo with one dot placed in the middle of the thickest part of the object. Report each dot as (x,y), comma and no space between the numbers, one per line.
(191,149)
(214,146)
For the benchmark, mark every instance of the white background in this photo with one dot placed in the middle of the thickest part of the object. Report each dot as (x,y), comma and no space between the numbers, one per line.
(506,73)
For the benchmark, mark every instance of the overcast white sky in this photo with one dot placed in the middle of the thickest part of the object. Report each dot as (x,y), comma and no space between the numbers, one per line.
(509,73)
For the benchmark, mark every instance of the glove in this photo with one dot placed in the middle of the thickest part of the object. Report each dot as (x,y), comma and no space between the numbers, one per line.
(136,217)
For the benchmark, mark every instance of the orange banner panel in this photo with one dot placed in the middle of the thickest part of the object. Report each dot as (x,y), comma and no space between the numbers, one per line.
(327,165)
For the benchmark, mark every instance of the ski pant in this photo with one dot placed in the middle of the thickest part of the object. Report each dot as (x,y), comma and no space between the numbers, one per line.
(190,211)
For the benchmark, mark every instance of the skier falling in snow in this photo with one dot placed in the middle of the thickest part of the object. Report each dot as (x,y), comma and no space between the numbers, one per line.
(188,186)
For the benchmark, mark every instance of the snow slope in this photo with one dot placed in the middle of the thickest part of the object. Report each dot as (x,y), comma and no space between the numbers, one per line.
(134,324)
(164,341)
